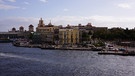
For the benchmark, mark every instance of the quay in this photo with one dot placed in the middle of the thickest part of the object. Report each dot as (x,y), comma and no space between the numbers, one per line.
(77,48)
(53,47)
(110,50)
(116,53)
(72,48)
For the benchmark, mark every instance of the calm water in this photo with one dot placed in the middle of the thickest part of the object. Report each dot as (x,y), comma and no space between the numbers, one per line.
(19,61)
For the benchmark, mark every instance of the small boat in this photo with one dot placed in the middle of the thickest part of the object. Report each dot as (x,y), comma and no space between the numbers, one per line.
(21,43)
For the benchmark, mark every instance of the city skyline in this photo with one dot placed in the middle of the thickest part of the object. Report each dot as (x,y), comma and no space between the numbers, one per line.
(101,13)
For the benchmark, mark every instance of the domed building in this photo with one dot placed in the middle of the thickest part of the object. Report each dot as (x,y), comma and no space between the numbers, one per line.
(68,26)
(46,31)
(31,28)
(13,29)
(49,25)
(21,29)
(89,25)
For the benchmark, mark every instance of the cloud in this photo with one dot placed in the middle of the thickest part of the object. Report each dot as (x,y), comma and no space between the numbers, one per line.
(12,0)
(1,1)
(7,7)
(8,23)
(99,21)
(4,6)
(27,3)
(125,5)
(43,1)
(65,10)
(96,20)
(24,8)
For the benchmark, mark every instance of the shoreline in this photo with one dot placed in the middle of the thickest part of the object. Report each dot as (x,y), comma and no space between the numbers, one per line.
(131,51)
(60,48)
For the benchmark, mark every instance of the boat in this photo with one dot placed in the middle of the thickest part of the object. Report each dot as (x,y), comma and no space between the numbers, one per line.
(21,43)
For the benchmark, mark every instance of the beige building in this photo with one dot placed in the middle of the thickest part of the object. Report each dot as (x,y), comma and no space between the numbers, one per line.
(68,36)
(46,31)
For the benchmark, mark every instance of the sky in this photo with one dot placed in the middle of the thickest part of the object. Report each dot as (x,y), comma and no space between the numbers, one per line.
(101,13)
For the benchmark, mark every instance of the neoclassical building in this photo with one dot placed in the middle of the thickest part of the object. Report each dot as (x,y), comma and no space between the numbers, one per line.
(47,32)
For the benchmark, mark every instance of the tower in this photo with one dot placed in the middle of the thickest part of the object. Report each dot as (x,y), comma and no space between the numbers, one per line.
(31,28)
(41,23)
(21,29)
(13,29)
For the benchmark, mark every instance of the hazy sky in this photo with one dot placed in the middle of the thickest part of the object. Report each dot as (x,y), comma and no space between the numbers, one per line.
(108,13)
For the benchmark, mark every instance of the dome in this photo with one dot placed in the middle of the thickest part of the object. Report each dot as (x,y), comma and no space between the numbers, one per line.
(21,27)
(13,28)
(68,26)
(49,25)
(31,25)
(89,25)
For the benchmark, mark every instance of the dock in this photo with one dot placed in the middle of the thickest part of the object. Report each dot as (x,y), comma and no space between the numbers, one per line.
(115,53)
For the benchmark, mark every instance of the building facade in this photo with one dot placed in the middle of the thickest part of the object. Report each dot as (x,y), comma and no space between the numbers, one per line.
(68,36)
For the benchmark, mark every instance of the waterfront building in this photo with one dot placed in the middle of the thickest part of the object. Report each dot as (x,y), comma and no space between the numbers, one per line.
(46,32)
(69,36)
(50,34)
(8,35)
(86,32)
(13,33)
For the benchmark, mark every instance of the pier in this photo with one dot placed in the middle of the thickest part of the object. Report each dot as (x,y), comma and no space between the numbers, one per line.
(116,53)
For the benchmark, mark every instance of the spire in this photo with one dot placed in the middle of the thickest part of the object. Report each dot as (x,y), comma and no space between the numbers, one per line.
(50,23)
(41,23)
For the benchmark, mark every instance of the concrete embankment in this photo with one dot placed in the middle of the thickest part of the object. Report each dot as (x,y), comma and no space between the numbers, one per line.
(127,53)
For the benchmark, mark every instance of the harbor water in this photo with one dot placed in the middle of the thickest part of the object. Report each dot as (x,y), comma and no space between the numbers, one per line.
(21,61)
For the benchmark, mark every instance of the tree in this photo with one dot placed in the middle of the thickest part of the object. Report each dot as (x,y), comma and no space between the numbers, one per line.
(85,36)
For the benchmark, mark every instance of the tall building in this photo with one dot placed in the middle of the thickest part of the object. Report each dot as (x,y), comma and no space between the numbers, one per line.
(41,23)
(31,28)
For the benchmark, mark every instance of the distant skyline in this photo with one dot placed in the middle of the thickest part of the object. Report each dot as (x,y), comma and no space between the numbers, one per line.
(101,13)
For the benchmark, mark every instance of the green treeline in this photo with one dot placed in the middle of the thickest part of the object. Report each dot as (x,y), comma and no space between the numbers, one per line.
(115,34)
